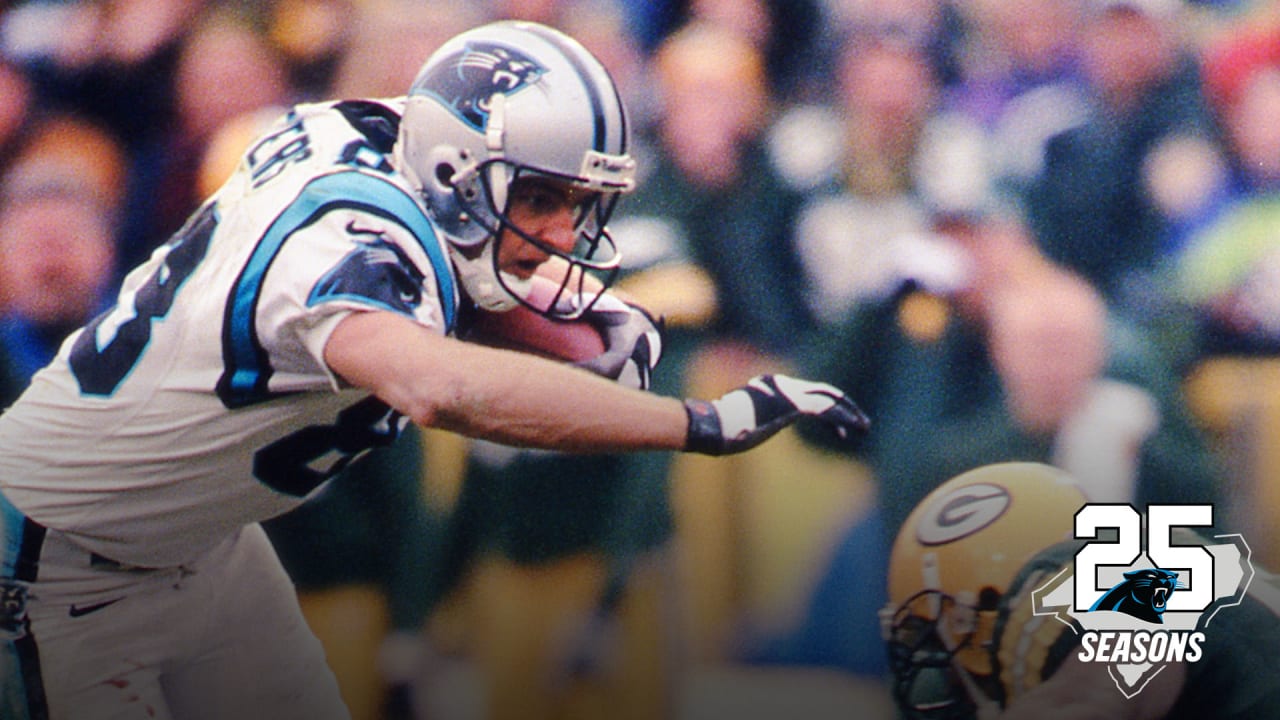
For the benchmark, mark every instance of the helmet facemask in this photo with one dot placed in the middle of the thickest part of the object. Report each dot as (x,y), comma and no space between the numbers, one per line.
(570,281)
(939,656)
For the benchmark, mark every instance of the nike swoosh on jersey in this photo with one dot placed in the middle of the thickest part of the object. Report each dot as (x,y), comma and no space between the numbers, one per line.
(82,610)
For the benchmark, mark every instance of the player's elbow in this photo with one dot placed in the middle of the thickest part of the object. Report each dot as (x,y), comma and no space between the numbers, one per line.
(431,409)
(419,373)
(432,395)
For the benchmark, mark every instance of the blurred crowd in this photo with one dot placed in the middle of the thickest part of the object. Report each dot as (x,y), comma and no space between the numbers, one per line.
(1012,229)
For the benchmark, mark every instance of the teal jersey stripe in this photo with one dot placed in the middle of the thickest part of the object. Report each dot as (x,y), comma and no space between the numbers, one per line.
(245,377)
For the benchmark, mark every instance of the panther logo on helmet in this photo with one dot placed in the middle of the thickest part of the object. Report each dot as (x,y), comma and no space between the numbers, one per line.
(467,80)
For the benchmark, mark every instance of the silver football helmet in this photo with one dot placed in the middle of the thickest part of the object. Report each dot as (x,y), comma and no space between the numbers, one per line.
(499,103)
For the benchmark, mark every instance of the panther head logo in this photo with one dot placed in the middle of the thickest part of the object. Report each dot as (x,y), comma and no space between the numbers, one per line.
(466,80)
(1143,594)
(376,270)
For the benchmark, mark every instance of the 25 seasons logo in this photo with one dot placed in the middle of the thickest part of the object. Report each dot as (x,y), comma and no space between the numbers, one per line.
(1140,606)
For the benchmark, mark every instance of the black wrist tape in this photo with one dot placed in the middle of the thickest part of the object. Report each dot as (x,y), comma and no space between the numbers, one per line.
(704,434)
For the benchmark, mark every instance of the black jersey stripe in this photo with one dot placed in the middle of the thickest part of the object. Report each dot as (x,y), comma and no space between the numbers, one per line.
(21,540)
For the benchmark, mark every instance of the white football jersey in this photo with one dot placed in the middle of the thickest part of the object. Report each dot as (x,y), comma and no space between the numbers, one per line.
(201,401)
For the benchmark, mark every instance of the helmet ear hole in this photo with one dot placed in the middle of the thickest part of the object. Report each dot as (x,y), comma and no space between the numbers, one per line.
(444,174)
(988,598)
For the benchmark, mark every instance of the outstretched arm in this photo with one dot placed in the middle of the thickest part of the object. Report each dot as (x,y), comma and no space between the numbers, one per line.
(522,400)
(505,396)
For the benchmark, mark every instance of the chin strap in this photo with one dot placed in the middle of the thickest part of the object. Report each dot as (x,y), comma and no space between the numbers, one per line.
(495,137)
(479,278)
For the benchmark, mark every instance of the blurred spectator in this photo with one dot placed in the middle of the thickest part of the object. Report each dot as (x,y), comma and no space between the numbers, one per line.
(1100,206)
(854,227)
(112,61)
(1019,84)
(388,40)
(937,26)
(16,110)
(60,203)
(314,38)
(793,37)
(710,203)
(651,20)
(16,107)
(997,365)
(1070,379)
(224,69)
(1012,47)
(547,12)
(1226,264)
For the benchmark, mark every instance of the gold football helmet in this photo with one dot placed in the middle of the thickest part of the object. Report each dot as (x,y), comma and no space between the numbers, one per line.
(951,565)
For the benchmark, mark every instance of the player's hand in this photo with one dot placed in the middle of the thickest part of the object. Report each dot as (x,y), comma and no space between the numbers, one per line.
(633,342)
(748,416)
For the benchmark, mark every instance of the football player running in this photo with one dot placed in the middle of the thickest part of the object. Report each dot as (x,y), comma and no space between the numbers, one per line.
(304,314)
(964,642)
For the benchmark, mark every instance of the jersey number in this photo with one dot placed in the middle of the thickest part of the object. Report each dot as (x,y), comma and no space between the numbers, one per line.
(297,463)
(111,345)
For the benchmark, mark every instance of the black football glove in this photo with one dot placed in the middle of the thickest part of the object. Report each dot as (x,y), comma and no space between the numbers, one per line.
(748,416)
(633,342)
